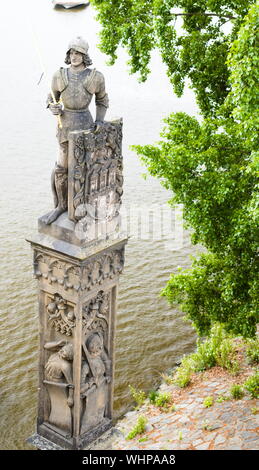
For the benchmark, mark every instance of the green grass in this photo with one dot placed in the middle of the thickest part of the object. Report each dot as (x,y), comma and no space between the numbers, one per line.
(222,398)
(252,350)
(139,428)
(208,402)
(252,385)
(236,392)
(138,396)
(183,374)
(217,349)
(161,400)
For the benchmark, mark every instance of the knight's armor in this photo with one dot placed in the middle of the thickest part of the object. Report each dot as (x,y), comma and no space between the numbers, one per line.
(75,91)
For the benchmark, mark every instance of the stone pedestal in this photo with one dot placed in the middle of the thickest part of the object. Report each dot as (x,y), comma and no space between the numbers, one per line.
(77,261)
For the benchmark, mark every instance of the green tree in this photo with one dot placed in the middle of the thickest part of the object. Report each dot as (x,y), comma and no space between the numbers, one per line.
(196,52)
(210,166)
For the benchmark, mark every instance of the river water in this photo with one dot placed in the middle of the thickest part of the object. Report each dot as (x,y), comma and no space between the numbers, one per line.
(151,336)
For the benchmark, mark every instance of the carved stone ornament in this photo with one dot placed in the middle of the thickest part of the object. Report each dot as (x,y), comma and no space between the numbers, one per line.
(68,276)
(96,314)
(103,267)
(56,272)
(96,172)
(61,315)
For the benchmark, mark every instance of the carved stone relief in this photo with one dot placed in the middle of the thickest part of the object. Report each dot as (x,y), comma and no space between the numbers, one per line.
(96,314)
(59,383)
(60,273)
(95,377)
(104,267)
(97,175)
(56,272)
(61,315)
(96,365)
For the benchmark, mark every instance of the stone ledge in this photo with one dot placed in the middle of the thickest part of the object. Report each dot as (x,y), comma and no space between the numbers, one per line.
(104,442)
(41,443)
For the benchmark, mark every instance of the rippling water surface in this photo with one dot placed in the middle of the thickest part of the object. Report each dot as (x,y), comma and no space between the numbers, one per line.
(151,336)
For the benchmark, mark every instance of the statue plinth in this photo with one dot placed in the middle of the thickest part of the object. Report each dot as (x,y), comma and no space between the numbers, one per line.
(77,262)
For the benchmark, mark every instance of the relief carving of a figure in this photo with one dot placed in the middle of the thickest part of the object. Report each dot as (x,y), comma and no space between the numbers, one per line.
(59,383)
(95,377)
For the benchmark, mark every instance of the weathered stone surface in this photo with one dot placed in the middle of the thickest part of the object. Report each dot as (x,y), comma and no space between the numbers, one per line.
(41,443)
(203,446)
(216,428)
(77,277)
(95,187)
(219,439)
(72,90)
(77,315)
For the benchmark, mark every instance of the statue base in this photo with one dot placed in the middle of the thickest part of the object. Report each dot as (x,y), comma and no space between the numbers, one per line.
(102,442)
(49,435)
(77,305)
(76,234)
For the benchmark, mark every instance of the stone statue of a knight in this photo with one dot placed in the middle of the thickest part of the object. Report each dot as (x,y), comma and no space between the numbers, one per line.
(73,88)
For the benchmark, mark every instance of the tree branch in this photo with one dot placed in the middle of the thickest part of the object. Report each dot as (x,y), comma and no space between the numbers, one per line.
(205,14)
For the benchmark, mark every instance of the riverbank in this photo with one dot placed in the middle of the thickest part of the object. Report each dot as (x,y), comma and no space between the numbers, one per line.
(202,416)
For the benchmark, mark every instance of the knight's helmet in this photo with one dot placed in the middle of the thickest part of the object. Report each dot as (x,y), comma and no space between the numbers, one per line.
(79,45)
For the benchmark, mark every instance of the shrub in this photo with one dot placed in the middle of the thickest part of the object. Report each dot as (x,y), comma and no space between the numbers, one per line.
(222,398)
(236,391)
(139,428)
(152,396)
(183,374)
(162,399)
(206,354)
(217,349)
(204,358)
(252,350)
(208,402)
(225,356)
(252,385)
(138,395)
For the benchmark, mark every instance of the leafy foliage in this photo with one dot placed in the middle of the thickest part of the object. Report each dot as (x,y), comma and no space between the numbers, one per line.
(139,396)
(208,402)
(162,399)
(212,173)
(252,350)
(243,62)
(183,374)
(222,398)
(237,391)
(189,52)
(252,385)
(139,428)
(153,394)
(210,166)
(217,350)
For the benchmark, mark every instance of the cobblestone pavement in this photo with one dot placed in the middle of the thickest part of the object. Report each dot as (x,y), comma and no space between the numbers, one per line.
(226,425)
